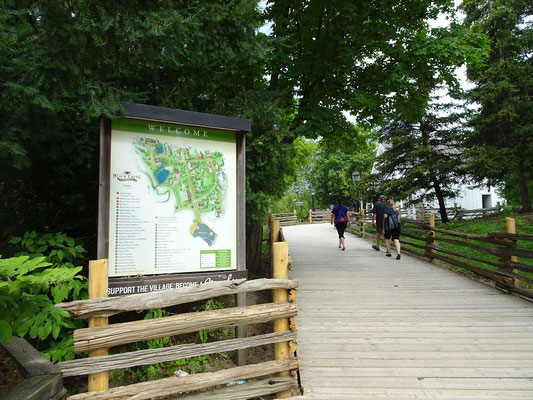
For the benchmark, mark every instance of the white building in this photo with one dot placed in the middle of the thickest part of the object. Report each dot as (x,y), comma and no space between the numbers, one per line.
(467,198)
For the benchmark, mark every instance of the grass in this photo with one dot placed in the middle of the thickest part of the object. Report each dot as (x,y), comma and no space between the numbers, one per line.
(481,226)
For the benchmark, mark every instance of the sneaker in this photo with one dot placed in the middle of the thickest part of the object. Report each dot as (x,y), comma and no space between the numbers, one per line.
(344,248)
(388,254)
(398,256)
(375,247)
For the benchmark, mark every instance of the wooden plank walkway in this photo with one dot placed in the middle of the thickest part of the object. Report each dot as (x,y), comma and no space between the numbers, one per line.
(372,327)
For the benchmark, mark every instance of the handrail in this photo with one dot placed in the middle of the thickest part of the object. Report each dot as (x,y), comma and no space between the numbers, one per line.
(94,338)
(495,254)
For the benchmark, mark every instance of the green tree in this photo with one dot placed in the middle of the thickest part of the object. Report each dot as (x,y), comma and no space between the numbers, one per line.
(501,141)
(371,59)
(66,64)
(331,169)
(422,161)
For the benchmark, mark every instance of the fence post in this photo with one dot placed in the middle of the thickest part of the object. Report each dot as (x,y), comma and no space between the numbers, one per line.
(98,288)
(431,236)
(422,213)
(310,216)
(274,237)
(510,227)
(281,271)
(454,211)
(362,223)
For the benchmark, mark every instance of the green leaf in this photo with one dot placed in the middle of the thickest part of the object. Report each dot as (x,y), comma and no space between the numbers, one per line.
(15,240)
(44,332)
(55,330)
(5,332)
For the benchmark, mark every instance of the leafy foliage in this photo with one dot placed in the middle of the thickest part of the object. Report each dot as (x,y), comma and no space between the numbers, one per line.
(501,143)
(421,161)
(39,276)
(331,170)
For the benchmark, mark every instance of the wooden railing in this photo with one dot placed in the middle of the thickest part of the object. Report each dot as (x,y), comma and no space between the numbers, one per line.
(281,265)
(454,213)
(496,257)
(317,216)
(93,339)
(286,218)
(42,379)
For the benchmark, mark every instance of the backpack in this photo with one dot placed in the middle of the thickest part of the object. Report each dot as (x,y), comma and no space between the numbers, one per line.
(392,223)
(342,216)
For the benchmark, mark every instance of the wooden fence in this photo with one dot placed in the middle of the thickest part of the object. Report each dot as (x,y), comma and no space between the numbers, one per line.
(496,257)
(99,337)
(454,213)
(42,379)
(318,216)
(286,218)
(281,264)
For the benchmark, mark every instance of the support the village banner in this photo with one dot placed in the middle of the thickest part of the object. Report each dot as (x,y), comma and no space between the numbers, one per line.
(173,199)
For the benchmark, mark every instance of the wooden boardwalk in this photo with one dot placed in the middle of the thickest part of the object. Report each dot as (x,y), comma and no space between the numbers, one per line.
(371,327)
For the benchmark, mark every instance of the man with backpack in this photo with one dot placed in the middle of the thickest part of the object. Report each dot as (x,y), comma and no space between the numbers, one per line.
(341,215)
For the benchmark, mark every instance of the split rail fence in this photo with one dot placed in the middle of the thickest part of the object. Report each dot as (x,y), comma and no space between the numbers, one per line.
(287,218)
(505,259)
(454,213)
(99,337)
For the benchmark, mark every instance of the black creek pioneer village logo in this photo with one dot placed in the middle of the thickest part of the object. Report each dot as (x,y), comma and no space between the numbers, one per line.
(126,176)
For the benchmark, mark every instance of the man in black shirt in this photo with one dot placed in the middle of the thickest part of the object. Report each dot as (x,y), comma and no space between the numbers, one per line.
(377,219)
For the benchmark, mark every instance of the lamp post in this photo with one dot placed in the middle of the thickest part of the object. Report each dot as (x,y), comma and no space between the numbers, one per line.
(356,176)
(312,199)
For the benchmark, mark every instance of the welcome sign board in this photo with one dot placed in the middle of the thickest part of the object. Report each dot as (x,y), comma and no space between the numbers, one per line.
(174,194)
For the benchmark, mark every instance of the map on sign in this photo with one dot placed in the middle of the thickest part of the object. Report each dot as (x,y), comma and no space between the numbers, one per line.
(173,198)
(195,179)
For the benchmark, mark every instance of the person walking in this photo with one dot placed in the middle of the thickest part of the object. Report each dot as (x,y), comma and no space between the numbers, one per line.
(377,219)
(392,228)
(341,216)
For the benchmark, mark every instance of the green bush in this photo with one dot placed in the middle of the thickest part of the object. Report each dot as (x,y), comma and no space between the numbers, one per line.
(41,274)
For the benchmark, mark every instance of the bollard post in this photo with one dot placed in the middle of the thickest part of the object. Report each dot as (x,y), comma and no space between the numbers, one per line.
(98,288)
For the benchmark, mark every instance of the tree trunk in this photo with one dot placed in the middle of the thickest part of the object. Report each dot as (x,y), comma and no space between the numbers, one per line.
(254,240)
(442,207)
(522,184)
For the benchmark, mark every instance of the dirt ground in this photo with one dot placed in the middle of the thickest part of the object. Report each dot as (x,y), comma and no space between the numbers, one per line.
(10,376)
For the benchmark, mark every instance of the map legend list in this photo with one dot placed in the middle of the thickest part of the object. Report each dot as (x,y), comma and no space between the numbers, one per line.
(130,232)
(168,249)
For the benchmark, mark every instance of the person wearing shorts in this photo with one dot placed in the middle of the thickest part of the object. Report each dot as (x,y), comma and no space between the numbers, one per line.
(394,234)
(341,216)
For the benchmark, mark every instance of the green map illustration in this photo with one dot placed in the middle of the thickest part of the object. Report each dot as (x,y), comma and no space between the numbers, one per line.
(195,179)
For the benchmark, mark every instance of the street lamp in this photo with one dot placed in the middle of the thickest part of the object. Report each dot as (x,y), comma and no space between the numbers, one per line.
(313,199)
(356,176)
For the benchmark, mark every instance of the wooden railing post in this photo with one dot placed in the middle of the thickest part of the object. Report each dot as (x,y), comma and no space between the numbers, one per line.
(431,237)
(362,223)
(422,213)
(510,227)
(310,216)
(97,289)
(281,271)
(274,237)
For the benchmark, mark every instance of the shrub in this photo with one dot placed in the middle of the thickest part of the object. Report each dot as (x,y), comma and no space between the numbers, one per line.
(39,276)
